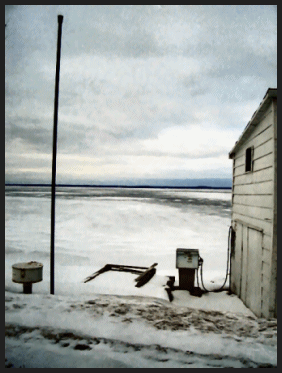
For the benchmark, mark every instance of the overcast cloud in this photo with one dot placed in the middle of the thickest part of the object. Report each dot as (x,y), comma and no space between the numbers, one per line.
(146,91)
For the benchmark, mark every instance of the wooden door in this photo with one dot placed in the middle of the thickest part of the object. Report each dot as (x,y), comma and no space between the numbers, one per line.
(254,264)
(244,264)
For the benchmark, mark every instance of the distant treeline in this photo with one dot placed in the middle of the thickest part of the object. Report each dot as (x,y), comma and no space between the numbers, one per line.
(120,186)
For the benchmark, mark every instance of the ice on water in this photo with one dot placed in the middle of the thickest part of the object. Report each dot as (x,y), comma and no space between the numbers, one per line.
(96,226)
(130,226)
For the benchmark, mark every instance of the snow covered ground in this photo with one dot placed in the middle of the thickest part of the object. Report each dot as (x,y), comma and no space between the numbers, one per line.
(130,331)
(108,322)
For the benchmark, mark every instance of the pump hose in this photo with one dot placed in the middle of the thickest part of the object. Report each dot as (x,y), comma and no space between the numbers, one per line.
(227,267)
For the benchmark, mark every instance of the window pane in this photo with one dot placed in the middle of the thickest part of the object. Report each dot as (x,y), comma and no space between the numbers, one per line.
(248,163)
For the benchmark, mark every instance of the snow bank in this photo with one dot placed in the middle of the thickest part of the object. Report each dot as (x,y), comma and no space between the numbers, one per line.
(121,283)
(120,331)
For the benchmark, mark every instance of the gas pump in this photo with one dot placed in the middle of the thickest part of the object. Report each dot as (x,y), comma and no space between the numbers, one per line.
(187,262)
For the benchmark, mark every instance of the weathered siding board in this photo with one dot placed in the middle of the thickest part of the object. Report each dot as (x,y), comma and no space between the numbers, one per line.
(264,148)
(239,161)
(256,142)
(266,255)
(264,298)
(265,187)
(265,281)
(261,130)
(259,164)
(255,177)
(263,224)
(259,152)
(263,156)
(265,270)
(263,162)
(263,135)
(254,200)
(261,213)
(240,170)
(267,245)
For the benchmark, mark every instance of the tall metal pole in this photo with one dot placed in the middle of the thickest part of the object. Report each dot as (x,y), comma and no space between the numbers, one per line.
(56,104)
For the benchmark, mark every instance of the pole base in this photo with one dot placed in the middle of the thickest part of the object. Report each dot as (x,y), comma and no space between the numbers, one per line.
(186,278)
(27,288)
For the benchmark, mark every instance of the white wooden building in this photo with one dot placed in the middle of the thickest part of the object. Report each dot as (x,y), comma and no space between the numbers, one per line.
(254,211)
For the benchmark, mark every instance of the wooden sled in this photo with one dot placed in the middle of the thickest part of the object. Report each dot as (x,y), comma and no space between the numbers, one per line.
(145,273)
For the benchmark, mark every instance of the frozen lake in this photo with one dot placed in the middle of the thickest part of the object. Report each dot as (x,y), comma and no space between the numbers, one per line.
(131,226)
(115,323)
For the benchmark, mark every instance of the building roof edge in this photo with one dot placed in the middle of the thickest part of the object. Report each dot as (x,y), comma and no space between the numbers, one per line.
(271,93)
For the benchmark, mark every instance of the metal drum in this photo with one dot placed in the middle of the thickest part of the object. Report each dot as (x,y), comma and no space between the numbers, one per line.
(27,274)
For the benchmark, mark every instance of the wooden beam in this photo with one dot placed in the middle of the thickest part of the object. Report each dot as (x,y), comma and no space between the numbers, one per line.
(146,276)
(102,270)
(147,270)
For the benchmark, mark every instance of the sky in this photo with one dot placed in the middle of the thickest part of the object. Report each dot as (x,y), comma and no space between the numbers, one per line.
(146,91)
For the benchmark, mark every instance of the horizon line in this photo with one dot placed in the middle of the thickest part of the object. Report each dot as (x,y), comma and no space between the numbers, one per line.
(120,186)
